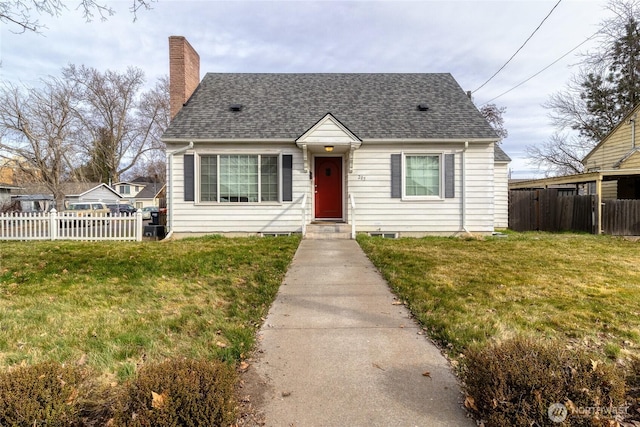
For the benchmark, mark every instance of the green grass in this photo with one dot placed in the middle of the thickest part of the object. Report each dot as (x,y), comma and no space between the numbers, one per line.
(116,305)
(581,289)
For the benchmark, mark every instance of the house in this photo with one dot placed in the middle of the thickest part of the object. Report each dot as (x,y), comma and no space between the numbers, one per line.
(129,190)
(404,154)
(95,193)
(38,198)
(618,151)
(150,195)
(5,194)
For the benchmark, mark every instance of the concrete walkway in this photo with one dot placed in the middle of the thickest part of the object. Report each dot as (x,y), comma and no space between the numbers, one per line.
(336,351)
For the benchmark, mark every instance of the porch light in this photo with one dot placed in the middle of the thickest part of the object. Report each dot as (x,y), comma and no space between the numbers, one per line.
(328,148)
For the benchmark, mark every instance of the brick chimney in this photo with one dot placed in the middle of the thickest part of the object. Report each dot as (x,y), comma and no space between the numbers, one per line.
(184,72)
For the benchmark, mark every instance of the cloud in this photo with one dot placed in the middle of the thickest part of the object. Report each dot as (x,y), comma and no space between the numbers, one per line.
(469,39)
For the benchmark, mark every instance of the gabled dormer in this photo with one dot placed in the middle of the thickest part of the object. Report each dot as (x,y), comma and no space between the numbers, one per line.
(330,136)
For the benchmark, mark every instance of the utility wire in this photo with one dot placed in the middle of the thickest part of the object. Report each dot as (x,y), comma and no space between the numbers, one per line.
(544,69)
(519,49)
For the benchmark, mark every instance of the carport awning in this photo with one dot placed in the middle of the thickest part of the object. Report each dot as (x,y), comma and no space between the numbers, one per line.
(581,178)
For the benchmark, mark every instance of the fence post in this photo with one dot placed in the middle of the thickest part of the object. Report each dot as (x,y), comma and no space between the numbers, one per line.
(138,225)
(53,224)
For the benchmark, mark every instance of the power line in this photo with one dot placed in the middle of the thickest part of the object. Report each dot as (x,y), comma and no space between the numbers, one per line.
(519,49)
(544,69)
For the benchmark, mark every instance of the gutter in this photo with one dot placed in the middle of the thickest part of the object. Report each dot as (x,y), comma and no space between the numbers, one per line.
(170,186)
(463,192)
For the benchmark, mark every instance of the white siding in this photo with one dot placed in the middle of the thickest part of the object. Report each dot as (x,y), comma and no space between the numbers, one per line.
(328,133)
(501,214)
(209,218)
(369,183)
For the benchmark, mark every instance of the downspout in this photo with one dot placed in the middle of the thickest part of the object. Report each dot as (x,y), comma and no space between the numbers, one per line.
(633,132)
(463,192)
(170,186)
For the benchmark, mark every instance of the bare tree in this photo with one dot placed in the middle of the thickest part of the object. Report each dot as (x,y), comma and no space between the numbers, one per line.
(560,155)
(121,124)
(36,127)
(153,170)
(606,87)
(493,114)
(23,14)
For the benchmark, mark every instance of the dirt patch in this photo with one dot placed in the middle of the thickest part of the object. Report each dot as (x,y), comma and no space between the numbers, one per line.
(251,392)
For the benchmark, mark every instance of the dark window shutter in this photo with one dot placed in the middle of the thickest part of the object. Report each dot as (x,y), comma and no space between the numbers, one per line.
(189,182)
(449,176)
(396,176)
(287,178)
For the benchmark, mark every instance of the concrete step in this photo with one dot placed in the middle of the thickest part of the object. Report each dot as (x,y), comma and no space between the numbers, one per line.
(328,230)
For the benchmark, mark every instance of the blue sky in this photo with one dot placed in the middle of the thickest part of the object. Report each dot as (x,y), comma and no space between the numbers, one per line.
(469,39)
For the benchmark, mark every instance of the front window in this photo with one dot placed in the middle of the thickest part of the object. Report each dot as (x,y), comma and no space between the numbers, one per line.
(239,178)
(422,177)
(125,189)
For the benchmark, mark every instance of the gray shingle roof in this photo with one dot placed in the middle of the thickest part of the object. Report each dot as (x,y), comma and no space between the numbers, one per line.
(499,155)
(149,191)
(372,106)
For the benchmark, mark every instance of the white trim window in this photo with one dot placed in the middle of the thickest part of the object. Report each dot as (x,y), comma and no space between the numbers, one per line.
(422,176)
(239,178)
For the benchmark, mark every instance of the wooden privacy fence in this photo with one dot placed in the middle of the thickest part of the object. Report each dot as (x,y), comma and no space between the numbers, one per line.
(63,226)
(621,217)
(547,210)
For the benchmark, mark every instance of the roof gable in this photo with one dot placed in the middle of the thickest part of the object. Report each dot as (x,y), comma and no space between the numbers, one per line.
(328,130)
(611,134)
(371,106)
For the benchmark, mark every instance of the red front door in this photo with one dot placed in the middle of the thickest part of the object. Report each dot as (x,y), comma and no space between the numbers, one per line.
(328,187)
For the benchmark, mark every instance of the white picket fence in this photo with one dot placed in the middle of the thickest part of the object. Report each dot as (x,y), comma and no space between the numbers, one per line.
(64,226)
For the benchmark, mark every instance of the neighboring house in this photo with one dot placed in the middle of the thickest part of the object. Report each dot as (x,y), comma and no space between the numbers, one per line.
(612,168)
(32,202)
(129,190)
(247,152)
(5,194)
(37,197)
(150,195)
(619,151)
(98,193)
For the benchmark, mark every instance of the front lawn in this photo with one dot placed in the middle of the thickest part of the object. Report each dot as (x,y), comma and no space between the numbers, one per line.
(114,306)
(581,289)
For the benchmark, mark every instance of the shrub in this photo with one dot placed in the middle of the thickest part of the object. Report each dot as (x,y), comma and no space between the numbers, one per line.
(514,383)
(180,393)
(39,395)
(633,390)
